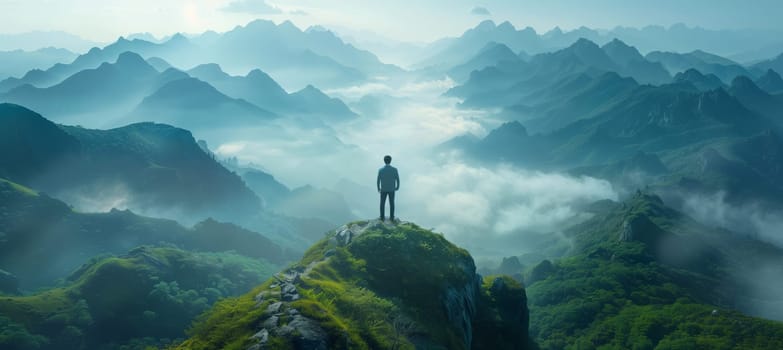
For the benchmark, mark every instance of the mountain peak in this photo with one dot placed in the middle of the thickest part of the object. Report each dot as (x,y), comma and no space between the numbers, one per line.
(512,129)
(288,25)
(691,73)
(617,43)
(506,26)
(208,71)
(131,59)
(261,24)
(486,25)
(177,38)
(311,89)
(742,85)
(440,296)
(621,52)
(584,43)
(698,80)
(257,74)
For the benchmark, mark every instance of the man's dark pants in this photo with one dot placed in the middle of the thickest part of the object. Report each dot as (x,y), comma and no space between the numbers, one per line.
(391,204)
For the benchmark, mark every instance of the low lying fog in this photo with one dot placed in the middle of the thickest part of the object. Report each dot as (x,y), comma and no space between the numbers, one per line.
(490,211)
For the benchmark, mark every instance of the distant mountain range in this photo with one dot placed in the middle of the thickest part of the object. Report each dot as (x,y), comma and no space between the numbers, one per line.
(260,89)
(508,83)
(293,56)
(707,63)
(677,38)
(111,89)
(17,62)
(36,40)
(132,90)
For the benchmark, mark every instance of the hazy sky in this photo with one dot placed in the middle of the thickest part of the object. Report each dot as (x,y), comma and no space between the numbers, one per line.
(409,20)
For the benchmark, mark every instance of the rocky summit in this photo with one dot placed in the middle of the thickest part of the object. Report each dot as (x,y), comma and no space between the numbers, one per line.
(376,285)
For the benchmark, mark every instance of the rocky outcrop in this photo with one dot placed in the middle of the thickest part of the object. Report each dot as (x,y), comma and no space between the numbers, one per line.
(375,284)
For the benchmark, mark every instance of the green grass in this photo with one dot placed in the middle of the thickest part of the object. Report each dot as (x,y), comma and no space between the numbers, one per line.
(19,188)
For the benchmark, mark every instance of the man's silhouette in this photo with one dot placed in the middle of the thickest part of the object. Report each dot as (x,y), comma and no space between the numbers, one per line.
(388,182)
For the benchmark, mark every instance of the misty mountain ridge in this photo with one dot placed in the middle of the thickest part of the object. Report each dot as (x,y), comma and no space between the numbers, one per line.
(89,60)
(142,165)
(196,105)
(707,63)
(77,237)
(132,90)
(260,89)
(329,61)
(770,82)
(678,38)
(638,120)
(775,64)
(698,80)
(110,89)
(36,40)
(18,62)
(506,85)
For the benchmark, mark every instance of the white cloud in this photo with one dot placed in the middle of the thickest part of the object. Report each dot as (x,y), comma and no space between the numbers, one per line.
(714,210)
(480,11)
(463,200)
(256,7)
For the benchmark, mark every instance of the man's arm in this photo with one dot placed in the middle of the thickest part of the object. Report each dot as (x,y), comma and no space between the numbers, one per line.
(378,182)
(396,179)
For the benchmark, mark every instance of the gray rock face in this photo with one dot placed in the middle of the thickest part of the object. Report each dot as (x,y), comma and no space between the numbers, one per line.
(305,333)
(346,233)
(460,304)
(639,228)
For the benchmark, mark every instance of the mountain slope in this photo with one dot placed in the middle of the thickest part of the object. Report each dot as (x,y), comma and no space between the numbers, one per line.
(643,275)
(39,228)
(193,104)
(141,166)
(771,82)
(144,298)
(88,61)
(48,149)
(633,64)
(490,55)
(707,63)
(667,118)
(698,80)
(260,89)
(454,51)
(775,64)
(508,83)
(373,285)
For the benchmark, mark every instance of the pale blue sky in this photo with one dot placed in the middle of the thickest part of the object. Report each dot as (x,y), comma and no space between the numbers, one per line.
(410,20)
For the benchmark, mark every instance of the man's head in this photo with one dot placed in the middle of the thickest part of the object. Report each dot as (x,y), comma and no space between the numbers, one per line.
(387,159)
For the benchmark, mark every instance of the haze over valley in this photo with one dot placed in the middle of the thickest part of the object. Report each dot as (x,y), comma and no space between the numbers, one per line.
(610,184)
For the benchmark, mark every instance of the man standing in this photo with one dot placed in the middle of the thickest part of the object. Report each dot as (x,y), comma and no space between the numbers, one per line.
(388,182)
